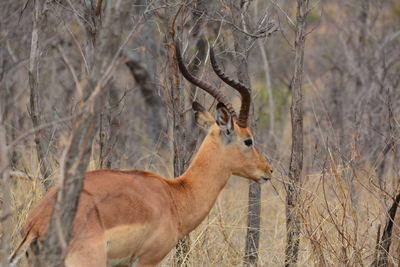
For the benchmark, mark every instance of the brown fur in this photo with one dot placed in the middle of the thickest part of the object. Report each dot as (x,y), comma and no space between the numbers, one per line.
(124,216)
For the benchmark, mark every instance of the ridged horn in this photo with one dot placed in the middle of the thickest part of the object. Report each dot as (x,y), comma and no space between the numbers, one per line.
(238,86)
(217,94)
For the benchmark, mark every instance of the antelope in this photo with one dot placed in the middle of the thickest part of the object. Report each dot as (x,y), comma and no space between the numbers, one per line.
(140,216)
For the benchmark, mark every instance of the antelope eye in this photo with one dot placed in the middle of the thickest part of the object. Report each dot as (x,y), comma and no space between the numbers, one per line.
(248,142)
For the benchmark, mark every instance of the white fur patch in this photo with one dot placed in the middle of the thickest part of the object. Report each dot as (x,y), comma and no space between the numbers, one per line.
(115,262)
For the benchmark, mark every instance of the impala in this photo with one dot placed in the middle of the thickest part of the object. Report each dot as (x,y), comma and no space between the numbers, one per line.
(136,216)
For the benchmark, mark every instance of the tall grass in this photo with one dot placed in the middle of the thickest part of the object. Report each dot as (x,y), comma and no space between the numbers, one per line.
(341,209)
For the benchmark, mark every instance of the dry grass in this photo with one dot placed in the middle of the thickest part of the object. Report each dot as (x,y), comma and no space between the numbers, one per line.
(341,212)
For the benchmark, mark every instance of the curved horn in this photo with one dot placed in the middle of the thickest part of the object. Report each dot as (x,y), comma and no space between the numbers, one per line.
(238,86)
(203,85)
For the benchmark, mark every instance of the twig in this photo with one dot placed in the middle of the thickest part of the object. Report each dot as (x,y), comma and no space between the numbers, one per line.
(38,128)
(117,59)
(284,12)
(72,70)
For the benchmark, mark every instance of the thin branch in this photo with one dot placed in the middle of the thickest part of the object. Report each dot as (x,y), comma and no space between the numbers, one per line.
(38,128)
(117,59)
(286,14)
(72,70)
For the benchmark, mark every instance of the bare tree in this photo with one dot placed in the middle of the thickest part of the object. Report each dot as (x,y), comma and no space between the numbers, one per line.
(5,203)
(41,140)
(109,129)
(244,37)
(77,157)
(197,24)
(5,164)
(78,151)
(296,158)
(178,118)
(386,239)
(143,65)
(242,45)
(6,100)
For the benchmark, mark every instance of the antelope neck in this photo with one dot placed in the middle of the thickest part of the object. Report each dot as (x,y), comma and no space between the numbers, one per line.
(197,189)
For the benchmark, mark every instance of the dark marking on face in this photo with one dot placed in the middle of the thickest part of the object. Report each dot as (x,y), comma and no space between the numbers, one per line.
(248,142)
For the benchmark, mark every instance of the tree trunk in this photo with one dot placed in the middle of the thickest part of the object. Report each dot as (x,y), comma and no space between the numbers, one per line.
(112,129)
(178,124)
(77,154)
(5,203)
(153,103)
(386,239)
(76,159)
(41,141)
(296,158)
(268,84)
(197,22)
(241,43)
(143,67)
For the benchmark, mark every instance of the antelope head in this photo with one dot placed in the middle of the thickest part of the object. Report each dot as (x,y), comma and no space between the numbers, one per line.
(230,133)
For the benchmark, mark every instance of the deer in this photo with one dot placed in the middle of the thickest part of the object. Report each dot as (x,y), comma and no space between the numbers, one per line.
(140,216)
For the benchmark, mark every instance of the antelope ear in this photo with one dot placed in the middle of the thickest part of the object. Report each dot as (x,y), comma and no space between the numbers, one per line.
(202,116)
(224,119)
